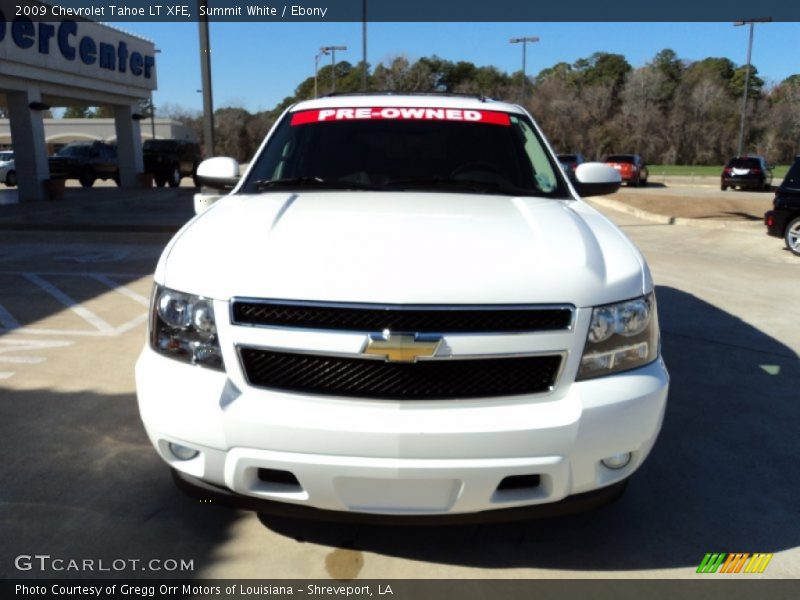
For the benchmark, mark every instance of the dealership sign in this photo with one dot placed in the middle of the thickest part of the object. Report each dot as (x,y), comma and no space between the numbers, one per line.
(82,47)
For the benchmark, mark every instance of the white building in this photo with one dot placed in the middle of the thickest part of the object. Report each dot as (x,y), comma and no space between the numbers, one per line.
(71,62)
(58,132)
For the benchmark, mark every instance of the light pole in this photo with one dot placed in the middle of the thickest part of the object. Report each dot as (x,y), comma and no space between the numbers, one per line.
(364,47)
(751,22)
(205,73)
(316,69)
(152,118)
(332,50)
(524,41)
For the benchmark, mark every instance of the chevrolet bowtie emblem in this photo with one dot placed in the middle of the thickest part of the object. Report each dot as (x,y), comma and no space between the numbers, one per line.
(402,347)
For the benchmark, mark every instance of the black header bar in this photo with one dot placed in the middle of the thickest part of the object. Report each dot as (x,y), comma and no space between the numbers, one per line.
(321,11)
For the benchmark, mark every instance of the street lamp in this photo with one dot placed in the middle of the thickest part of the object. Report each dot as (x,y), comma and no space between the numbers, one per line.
(364,46)
(751,22)
(332,50)
(205,74)
(524,41)
(316,68)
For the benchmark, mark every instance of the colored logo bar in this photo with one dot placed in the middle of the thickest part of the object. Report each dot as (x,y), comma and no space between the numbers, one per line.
(736,562)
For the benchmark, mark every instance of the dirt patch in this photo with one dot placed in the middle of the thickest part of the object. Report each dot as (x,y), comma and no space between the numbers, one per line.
(730,208)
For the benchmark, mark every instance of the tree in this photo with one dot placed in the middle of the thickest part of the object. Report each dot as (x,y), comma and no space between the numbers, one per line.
(77,112)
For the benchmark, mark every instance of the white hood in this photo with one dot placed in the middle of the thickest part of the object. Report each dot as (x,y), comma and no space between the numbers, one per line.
(404,248)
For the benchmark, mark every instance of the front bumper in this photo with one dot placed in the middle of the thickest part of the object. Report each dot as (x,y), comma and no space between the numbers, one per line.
(396,457)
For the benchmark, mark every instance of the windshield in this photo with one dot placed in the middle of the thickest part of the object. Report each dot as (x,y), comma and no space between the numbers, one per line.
(620,158)
(745,163)
(76,150)
(160,146)
(420,149)
(5,156)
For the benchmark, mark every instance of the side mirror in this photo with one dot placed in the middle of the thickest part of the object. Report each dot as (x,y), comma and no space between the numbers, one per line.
(220,173)
(596,179)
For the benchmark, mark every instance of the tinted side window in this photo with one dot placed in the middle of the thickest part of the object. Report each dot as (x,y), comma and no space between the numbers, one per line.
(792,179)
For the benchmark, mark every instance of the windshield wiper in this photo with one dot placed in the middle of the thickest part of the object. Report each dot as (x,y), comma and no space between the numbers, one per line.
(312,182)
(474,185)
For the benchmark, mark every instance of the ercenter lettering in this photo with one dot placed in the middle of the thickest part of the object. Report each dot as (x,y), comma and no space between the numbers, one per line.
(26,34)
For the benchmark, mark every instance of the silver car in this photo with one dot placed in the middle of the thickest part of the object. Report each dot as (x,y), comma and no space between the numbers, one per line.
(8,172)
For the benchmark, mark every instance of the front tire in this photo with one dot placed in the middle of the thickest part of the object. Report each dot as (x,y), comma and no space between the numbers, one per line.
(174,179)
(87,178)
(723,187)
(792,236)
(11,179)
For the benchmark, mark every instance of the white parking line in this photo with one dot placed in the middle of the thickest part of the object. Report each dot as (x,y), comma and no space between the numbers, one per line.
(71,304)
(13,345)
(6,320)
(121,289)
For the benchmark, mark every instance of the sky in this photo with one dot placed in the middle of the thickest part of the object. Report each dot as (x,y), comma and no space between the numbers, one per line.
(256,65)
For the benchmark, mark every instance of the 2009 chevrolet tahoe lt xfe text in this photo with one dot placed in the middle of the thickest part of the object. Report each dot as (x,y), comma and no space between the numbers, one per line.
(403,309)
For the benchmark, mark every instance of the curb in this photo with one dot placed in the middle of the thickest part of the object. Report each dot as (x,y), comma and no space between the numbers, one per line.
(749,227)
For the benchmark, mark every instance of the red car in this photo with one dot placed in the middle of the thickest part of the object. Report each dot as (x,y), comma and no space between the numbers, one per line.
(631,168)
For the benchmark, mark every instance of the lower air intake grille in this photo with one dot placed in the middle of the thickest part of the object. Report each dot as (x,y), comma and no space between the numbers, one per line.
(423,380)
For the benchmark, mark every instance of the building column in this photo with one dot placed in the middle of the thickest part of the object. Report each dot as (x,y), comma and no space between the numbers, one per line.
(129,146)
(30,150)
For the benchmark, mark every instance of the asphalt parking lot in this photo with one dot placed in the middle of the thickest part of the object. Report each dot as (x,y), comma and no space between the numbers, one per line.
(80,479)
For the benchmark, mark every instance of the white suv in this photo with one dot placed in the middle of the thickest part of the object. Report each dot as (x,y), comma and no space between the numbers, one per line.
(403,309)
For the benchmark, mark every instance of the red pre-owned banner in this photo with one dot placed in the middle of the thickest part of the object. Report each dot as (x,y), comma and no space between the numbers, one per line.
(397,113)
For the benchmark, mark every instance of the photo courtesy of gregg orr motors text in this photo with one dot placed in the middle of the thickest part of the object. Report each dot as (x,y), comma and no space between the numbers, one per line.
(44,563)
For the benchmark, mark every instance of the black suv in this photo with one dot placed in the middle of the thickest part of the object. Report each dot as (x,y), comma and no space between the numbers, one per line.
(570,162)
(171,160)
(784,219)
(747,172)
(86,162)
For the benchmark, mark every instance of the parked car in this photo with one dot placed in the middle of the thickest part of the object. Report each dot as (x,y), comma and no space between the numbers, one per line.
(171,160)
(8,171)
(751,172)
(784,218)
(85,161)
(631,167)
(403,310)
(570,162)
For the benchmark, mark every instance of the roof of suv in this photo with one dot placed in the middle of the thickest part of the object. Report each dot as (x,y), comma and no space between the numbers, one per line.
(407,100)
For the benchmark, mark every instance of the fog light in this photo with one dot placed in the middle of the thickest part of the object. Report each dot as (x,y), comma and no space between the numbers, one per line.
(617,461)
(182,452)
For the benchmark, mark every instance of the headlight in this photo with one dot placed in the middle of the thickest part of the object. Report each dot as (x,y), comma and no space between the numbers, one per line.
(621,336)
(183,327)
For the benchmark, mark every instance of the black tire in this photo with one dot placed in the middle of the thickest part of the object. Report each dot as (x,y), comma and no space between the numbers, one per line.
(174,177)
(723,187)
(195,180)
(11,179)
(792,236)
(160,180)
(87,178)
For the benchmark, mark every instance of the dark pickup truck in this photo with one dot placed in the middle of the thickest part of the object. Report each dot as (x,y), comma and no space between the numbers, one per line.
(171,160)
(85,161)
